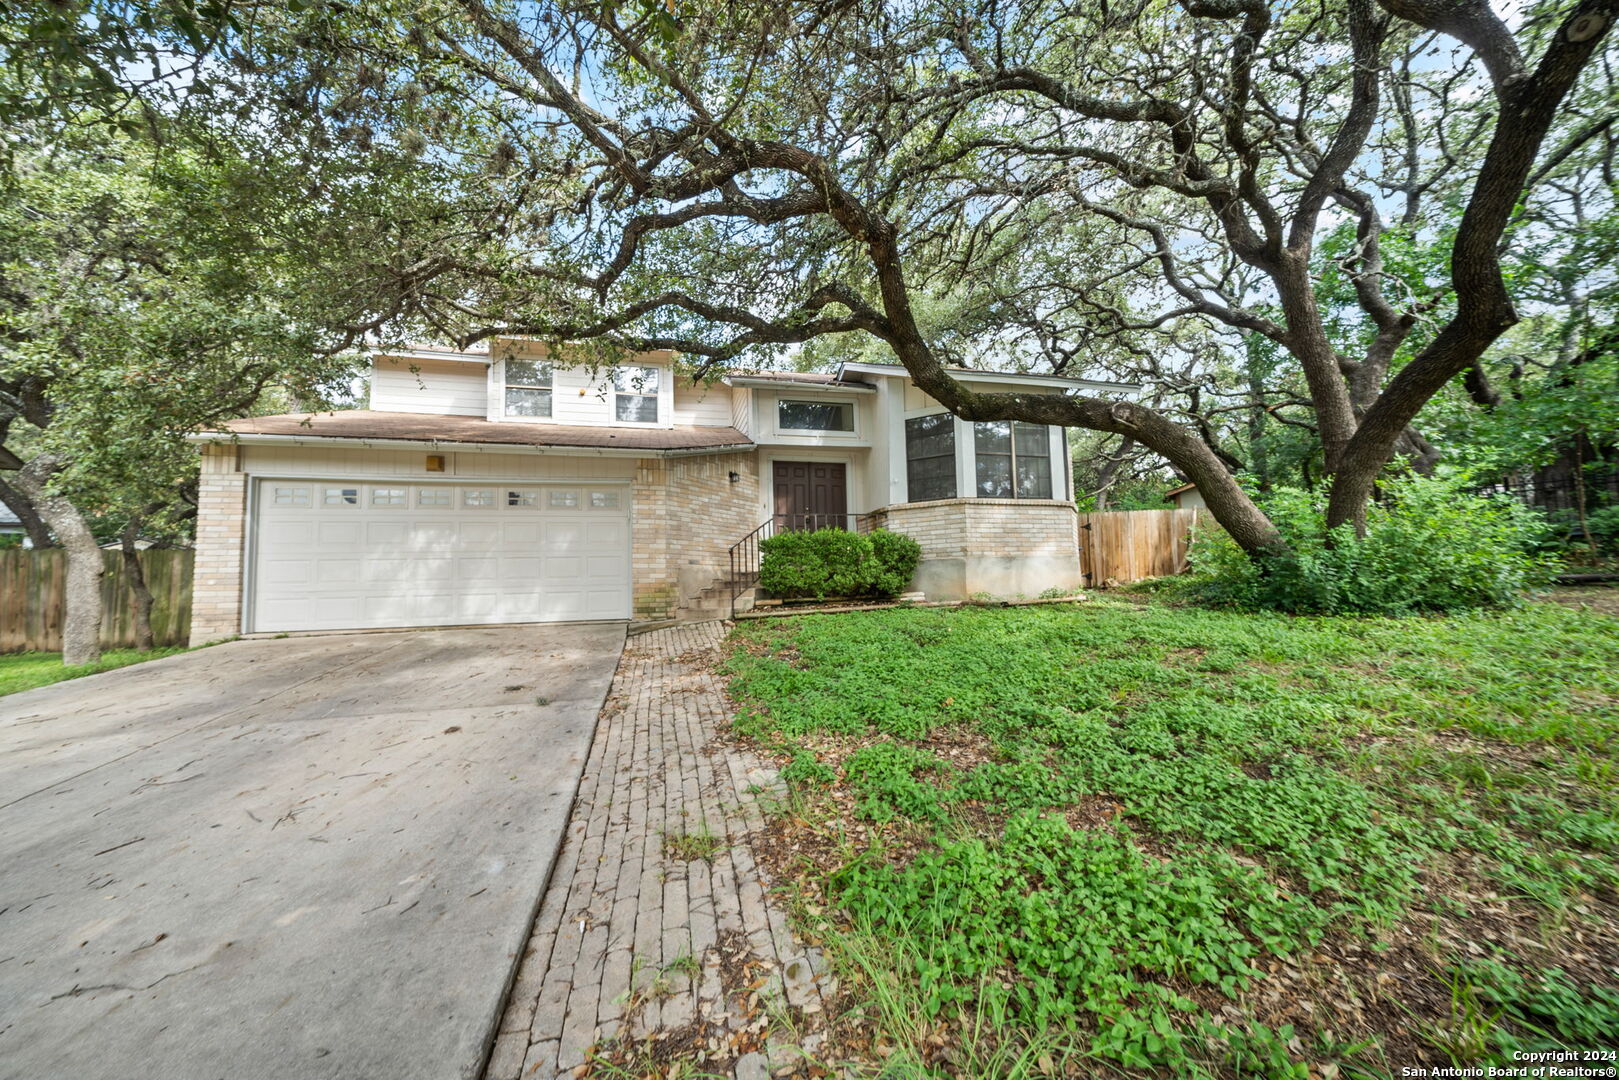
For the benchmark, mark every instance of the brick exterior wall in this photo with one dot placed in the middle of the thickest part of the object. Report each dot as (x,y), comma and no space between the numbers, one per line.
(216,584)
(1000,546)
(687,514)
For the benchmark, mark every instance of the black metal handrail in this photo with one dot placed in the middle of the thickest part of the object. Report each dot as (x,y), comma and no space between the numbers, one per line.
(746,554)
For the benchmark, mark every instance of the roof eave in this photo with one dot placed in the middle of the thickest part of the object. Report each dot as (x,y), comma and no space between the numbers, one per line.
(249,438)
(793,385)
(1060,381)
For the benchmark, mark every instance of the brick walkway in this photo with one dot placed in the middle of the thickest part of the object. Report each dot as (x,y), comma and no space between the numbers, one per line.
(641,940)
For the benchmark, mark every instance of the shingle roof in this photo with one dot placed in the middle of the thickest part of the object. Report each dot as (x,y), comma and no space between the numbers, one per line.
(430,427)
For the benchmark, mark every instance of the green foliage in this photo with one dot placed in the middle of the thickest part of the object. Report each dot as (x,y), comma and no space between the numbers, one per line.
(1540,1012)
(1430,545)
(834,562)
(893,779)
(1604,526)
(1254,812)
(30,670)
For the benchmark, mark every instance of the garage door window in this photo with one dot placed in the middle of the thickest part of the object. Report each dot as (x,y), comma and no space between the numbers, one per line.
(604,499)
(388,497)
(341,497)
(478,497)
(564,500)
(291,496)
(432,497)
(525,499)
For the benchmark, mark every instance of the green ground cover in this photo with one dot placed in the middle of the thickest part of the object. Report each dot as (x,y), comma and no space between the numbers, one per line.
(28,670)
(1178,841)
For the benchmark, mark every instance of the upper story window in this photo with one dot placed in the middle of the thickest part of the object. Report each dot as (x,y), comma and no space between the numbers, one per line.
(635,395)
(1014,460)
(930,457)
(528,388)
(814,415)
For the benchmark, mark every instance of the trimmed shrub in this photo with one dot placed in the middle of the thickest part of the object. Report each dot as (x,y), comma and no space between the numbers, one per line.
(1430,545)
(833,562)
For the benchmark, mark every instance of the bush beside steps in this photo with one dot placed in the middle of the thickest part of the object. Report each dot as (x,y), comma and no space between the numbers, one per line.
(835,563)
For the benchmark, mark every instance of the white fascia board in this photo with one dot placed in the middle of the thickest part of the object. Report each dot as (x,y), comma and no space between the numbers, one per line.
(409,354)
(250,439)
(787,386)
(1063,382)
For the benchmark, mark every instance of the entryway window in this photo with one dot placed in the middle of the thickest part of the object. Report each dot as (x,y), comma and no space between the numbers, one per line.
(814,416)
(635,395)
(1014,460)
(930,457)
(528,388)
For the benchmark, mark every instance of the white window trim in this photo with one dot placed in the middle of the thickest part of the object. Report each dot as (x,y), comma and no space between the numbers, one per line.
(903,469)
(1052,463)
(819,433)
(664,394)
(505,384)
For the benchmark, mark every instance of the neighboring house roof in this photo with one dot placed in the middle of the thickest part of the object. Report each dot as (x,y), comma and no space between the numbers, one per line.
(363,424)
(8,520)
(1183,489)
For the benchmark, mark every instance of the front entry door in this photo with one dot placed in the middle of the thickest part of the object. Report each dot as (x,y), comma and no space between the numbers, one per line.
(811,495)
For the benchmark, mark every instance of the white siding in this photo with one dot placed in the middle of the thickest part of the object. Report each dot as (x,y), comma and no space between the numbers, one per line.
(703,405)
(742,409)
(445,387)
(582,397)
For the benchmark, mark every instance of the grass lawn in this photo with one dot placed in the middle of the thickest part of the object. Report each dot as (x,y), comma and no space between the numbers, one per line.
(1138,839)
(25,671)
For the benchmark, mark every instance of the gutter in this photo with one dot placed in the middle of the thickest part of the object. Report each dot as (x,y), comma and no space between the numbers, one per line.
(254,439)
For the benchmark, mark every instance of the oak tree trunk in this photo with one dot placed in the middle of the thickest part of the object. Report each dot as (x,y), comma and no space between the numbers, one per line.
(38,533)
(81,630)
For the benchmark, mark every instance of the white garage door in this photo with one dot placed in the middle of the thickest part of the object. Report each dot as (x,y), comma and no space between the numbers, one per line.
(344,555)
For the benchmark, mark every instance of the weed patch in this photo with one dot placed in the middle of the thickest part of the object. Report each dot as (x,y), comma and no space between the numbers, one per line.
(1155,836)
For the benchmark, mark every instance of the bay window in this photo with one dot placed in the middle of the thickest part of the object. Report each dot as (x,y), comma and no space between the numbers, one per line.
(930,457)
(1014,459)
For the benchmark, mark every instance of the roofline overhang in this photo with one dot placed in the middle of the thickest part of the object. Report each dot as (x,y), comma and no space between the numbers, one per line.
(1059,381)
(754,381)
(429,354)
(248,438)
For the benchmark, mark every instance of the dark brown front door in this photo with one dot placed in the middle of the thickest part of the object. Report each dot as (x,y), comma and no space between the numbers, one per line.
(811,495)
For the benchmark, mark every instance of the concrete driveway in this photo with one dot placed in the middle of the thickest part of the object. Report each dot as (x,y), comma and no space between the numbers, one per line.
(300,858)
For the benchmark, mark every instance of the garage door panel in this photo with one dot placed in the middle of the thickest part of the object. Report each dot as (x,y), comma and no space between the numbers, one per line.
(288,572)
(337,571)
(437,555)
(389,533)
(605,534)
(289,535)
(598,567)
(334,533)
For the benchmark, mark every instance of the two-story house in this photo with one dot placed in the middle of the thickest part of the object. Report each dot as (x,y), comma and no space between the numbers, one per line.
(511,485)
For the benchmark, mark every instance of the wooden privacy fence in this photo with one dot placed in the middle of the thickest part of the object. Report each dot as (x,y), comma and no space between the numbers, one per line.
(33,588)
(1120,546)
